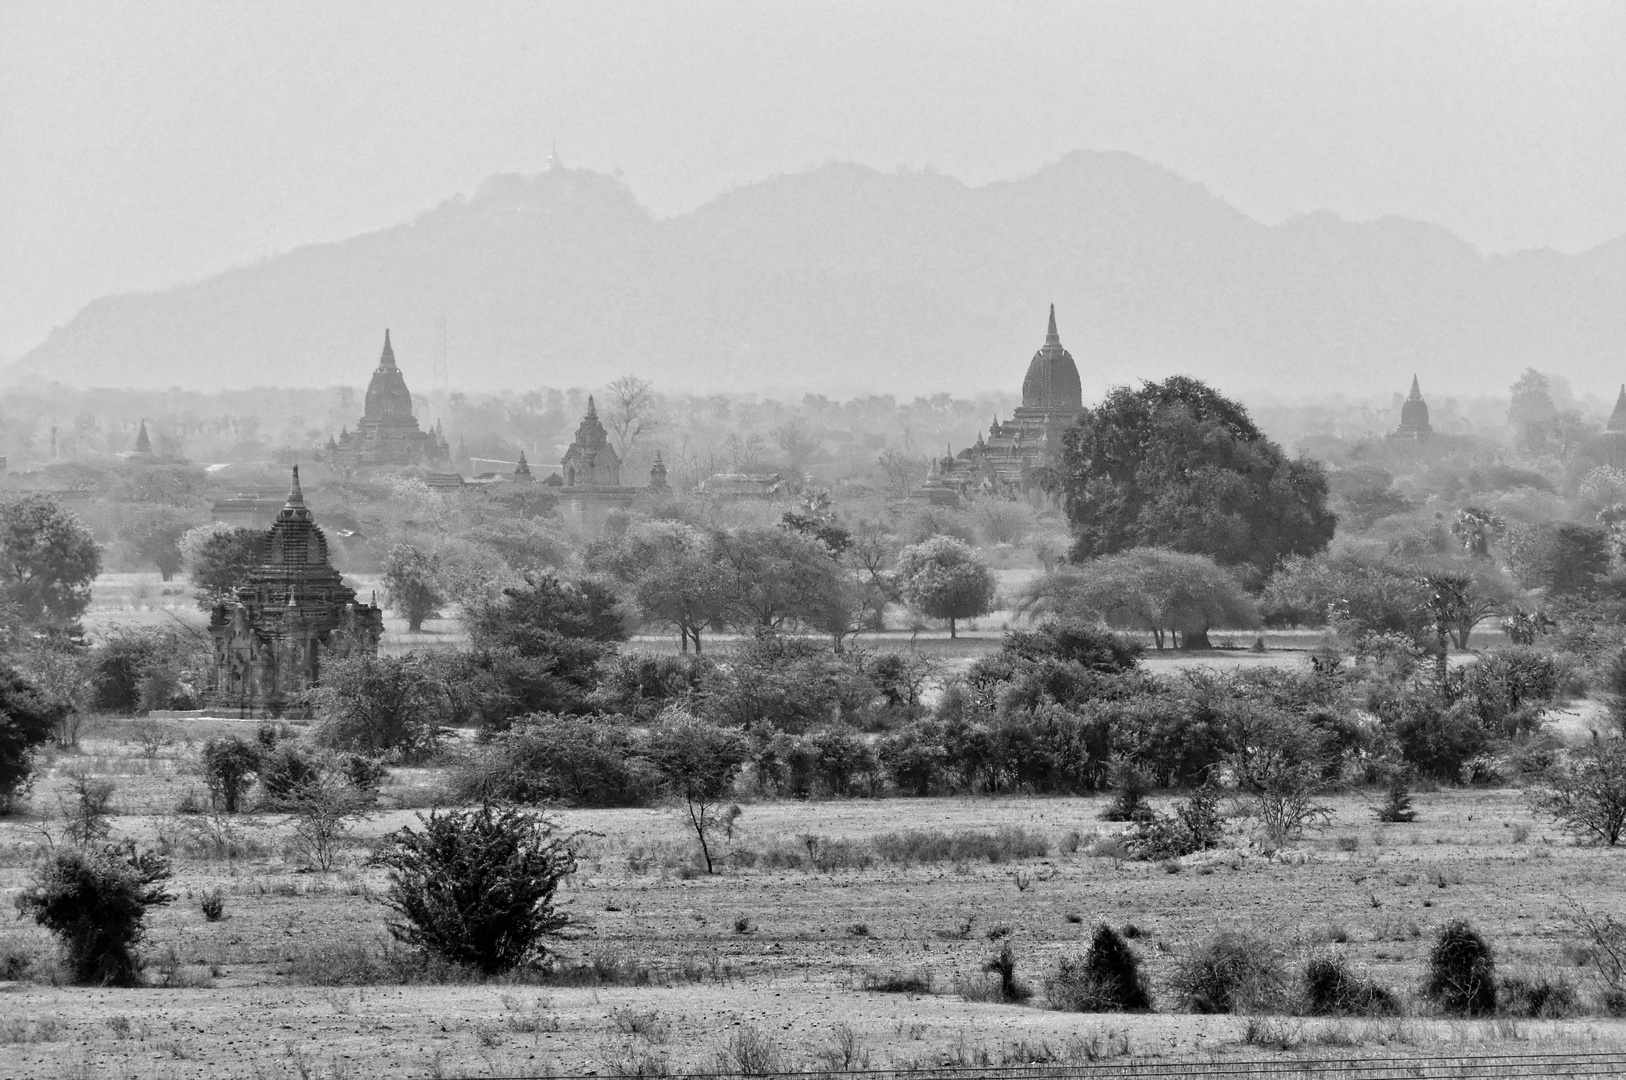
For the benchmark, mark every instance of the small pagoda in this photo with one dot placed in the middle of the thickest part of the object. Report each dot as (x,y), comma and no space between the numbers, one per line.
(293,613)
(1413,416)
(1617,419)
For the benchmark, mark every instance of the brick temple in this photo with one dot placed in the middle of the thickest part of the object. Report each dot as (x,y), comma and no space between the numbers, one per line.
(293,613)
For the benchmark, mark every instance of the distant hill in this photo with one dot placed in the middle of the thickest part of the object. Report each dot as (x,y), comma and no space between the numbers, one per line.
(845,280)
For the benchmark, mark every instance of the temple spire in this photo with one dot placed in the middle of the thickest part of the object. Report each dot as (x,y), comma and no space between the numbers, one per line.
(388,359)
(591,411)
(1051,337)
(1416,392)
(296,497)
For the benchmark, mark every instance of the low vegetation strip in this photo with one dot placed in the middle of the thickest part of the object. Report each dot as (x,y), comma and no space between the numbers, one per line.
(1456,1067)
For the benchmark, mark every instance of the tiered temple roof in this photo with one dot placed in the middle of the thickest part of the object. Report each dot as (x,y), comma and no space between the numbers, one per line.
(294,611)
(387,433)
(1009,458)
(1413,416)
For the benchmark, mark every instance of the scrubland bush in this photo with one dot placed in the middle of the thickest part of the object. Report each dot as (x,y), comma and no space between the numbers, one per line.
(1396,808)
(27,722)
(1462,971)
(1107,978)
(1232,971)
(1330,988)
(1196,825)
(575,761)
(1587,795)
(476,886)
(379,705)
(96,903)
(228,765)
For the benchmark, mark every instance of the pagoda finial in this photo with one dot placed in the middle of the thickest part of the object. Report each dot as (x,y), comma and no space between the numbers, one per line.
(591,410)
(296,497)
(1416,393)
(388,359)
(1051,337)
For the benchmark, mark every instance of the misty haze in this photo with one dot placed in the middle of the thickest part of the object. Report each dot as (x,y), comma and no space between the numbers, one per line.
(812,539)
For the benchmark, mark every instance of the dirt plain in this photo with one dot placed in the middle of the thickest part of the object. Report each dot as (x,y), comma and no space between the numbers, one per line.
(778,954)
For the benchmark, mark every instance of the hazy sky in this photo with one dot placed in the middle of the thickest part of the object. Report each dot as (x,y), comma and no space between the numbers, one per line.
(143,144)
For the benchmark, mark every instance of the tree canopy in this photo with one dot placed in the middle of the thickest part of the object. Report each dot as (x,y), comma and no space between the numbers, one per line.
(1176,465)
(48,559)
(946,579)
(1164,592)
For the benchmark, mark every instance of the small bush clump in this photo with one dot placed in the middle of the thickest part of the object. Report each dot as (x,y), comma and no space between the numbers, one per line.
(1462,971)
(1233,971)
(1538,998)
(1196,825)
(1106,979)
(476,886)
(213,905)
(96,903)
(1396,807)
(1332,989)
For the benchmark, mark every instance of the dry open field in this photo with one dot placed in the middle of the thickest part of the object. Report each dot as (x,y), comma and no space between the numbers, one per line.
(774,950)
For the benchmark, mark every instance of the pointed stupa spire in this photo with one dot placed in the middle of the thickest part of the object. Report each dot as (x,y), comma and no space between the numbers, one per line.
(296,497)
(388,359)
(1416,391)
(1617,419)
(143,445)
(1050,335)
(591,409)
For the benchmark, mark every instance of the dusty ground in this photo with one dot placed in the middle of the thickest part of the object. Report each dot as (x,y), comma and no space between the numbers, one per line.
(780,953)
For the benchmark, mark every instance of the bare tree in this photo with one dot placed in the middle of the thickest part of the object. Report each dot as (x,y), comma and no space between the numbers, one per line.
(902,471)
(798,443)
(631,412)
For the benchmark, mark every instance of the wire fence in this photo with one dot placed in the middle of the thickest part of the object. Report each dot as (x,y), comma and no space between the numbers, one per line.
(1466,1067)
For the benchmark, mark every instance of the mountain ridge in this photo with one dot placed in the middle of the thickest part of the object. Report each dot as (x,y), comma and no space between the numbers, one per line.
(845,279)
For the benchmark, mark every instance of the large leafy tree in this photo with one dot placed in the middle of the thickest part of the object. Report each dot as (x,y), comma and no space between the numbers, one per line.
(220,558)
(674,573)
(153,534)
(48,559)
(1176,465)
(946,579)
(412,583)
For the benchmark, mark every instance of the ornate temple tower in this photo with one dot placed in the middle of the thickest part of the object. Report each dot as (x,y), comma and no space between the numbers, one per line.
(1413,416)
(590,460)
(1052,399)
(387,433)
(294,612)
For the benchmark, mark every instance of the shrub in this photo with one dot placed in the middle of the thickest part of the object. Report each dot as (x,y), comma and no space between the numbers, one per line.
(1106,979)
(1396,807)
(1077,641)
(1003,964)
(476,886)
(575,761)
(1538,998)
(1588,796)
(1195,826)
(379,705)
(1232,971)
(1130,783)
(228,764)
(213,905)
(285,771)
(1462,971)
(26,722)
(96,903)
(1332,989)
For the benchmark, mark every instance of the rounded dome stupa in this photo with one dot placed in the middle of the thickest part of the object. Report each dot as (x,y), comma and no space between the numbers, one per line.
(1052,379)
(388,399)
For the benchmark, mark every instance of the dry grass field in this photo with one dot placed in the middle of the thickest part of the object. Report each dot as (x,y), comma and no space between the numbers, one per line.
(773,956)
